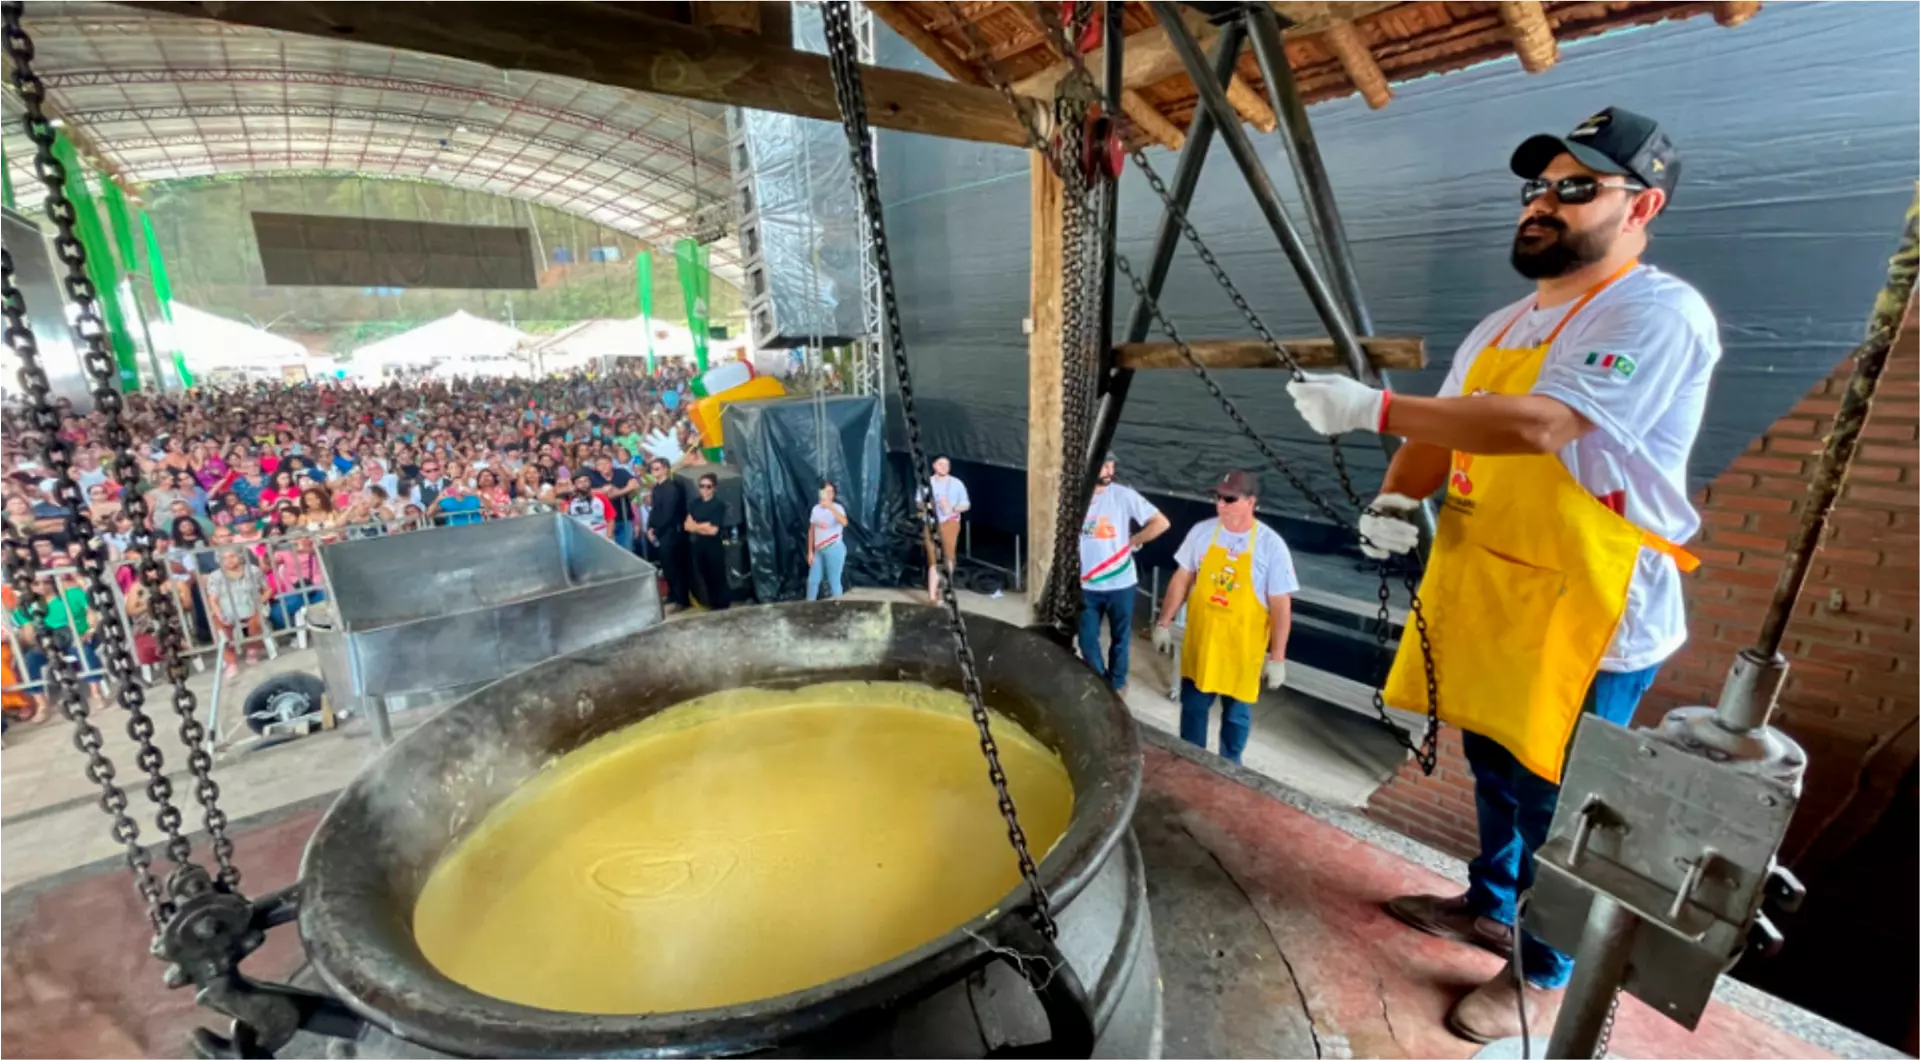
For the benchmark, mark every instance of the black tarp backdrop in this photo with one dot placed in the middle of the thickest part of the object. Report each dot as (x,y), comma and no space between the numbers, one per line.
(1798,133)
(784,448)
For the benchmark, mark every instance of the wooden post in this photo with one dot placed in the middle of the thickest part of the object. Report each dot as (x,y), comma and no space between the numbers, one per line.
(1045,452)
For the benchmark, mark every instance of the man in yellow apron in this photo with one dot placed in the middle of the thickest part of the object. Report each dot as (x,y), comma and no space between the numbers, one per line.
(1240,578)
(1561,437)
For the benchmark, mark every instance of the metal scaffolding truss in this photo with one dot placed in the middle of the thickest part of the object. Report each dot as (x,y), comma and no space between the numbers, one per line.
(156,97)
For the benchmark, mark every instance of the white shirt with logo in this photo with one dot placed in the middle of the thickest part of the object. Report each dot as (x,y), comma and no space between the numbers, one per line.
(949,497)
(1272,560)
(826,524)
(1106,557)
(1636,362)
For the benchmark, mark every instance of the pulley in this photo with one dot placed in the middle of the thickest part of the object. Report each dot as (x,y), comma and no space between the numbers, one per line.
(1103,154)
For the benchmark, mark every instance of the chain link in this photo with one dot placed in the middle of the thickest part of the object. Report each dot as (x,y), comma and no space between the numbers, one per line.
(63,684)
(1080,82)
(851,97)
(102,374)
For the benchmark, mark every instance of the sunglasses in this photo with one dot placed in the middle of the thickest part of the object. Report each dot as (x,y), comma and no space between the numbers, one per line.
(1226,498)
(1571,191)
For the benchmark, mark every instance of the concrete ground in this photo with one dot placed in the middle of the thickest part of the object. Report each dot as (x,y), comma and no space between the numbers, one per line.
(1265,888)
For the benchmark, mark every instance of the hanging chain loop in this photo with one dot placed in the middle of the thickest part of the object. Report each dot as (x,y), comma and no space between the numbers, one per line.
(851,97)
(102,374)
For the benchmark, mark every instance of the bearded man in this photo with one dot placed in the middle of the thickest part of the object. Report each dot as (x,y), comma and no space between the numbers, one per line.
(1561,436)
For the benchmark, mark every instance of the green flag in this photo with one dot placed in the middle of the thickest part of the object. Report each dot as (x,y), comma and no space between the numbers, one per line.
(6,183)
(643,277)
(163,294)
(694,282)
(100,264)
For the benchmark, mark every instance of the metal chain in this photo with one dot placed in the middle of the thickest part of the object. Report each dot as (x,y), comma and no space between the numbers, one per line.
(1425,753)
(1080,270)
(23,573)
(850,94)
(1606,1029)
(102,373)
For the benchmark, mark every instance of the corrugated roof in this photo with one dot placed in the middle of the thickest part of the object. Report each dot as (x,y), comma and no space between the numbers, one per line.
(157,97)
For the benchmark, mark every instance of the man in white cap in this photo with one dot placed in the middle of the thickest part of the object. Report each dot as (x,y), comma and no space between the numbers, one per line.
(1241,615)
(1561,435)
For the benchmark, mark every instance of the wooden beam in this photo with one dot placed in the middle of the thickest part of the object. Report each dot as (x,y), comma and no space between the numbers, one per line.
(616,45)
(1306,17)
(1344,41)
(1149,58)
(736,16)
(903,19)
(1389,353)
(1150,121)
(1046,449)
(1533,42)
(1734,12)
(1251,105)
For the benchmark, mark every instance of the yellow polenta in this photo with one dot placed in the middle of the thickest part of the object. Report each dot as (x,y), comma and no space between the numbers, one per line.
(736,847)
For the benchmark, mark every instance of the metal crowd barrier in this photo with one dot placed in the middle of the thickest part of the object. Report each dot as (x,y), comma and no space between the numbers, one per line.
(295,582)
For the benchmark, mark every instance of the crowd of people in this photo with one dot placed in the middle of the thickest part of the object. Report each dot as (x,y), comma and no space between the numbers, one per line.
(242,484)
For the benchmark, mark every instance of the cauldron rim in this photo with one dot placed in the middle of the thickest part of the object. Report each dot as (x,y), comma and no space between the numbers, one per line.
(346,896)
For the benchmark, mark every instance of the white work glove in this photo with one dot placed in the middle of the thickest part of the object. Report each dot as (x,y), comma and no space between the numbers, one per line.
(1387,527)
(1336,404)
(1276,673)
(1163,640)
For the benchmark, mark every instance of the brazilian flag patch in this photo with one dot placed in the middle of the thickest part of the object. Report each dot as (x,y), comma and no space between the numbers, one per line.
(1618,363)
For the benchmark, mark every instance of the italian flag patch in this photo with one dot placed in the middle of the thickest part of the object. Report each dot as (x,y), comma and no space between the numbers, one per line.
(1618,363)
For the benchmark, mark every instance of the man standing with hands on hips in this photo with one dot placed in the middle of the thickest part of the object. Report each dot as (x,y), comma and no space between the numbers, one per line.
(1241,578)
(1561,435)
(1107,574)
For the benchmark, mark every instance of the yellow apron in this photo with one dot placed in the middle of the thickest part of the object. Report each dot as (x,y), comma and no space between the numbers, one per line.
(1526,584)
(1225,647)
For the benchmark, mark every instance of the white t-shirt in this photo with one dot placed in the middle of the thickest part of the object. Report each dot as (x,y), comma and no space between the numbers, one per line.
(1636,361)
(949,497)
(1106,560)
(826,524)
(1272,560)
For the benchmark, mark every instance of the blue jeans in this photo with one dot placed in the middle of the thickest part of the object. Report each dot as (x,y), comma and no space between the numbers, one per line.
(829,561)
(286,609)
(623,535)
(1116,605)
(1516,808)
(1236,720)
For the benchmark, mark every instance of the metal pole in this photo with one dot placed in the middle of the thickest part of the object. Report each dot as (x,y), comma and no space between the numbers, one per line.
(1599,967)
(1323,213)
(1309,170)
(1114,38)
(1116,382)
(1214,98)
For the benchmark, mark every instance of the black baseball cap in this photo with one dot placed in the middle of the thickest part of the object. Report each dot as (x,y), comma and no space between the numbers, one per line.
(1616,140)
(1237,482)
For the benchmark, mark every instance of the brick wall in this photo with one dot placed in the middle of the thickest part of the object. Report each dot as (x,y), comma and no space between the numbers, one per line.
(1854,690)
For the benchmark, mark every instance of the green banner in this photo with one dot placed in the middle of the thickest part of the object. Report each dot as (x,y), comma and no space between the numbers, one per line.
(163,294)
(100,264)
(694,283)
(643,278)
(6,183)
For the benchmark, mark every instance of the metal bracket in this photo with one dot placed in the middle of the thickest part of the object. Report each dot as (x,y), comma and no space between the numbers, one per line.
(212,930)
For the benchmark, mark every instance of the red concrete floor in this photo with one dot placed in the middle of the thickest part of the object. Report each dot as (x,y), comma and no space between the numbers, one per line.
(1268,922)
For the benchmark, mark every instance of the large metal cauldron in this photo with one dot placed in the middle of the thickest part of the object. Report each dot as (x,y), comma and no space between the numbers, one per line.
(962,994)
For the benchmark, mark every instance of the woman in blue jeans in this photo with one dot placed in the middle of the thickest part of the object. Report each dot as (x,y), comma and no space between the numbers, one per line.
(826,547)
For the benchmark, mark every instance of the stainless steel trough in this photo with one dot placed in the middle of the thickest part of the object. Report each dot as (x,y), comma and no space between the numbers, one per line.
(425,617)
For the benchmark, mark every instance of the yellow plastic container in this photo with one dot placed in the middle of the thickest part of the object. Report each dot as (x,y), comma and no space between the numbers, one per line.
(706,411)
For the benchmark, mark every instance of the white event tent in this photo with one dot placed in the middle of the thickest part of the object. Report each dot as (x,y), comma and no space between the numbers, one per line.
(215,346)
(459,336)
